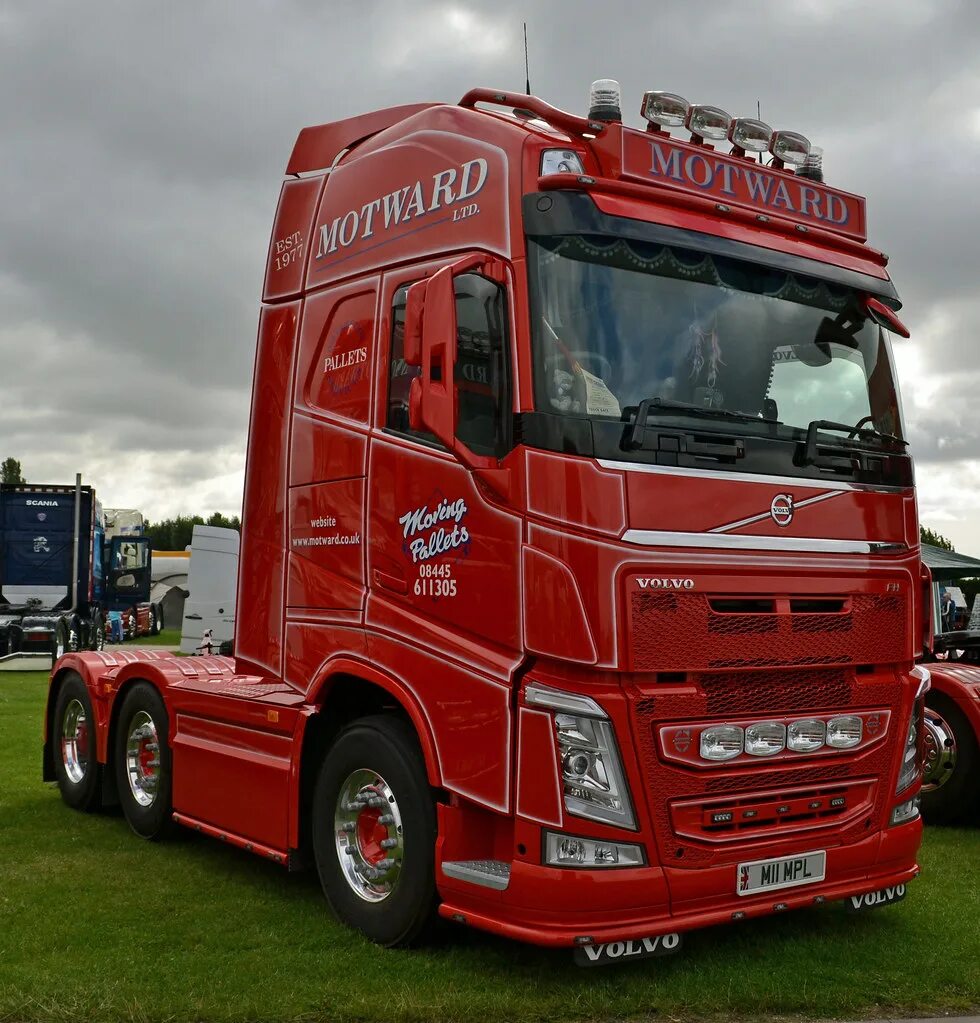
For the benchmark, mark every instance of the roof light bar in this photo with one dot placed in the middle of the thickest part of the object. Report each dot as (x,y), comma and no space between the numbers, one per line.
(705,122)
(789,147)
(664,110)
(747,134)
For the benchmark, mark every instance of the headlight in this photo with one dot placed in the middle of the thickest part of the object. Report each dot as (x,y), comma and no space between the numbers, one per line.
(592,778)
(909,770)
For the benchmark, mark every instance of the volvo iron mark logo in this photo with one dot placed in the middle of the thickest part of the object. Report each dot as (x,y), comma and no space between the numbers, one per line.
(781,509)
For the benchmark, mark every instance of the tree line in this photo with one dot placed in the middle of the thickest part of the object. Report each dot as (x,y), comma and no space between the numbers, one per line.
(175,534)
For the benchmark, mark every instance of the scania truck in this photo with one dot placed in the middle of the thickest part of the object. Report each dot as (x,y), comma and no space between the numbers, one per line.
(61,574)
(580,593)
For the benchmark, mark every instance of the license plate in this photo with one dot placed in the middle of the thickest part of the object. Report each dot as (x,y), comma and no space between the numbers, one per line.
(872,900)
(635,948)
(785,872)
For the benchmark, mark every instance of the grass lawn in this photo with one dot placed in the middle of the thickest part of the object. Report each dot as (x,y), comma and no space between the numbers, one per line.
(98,925)
(166,637)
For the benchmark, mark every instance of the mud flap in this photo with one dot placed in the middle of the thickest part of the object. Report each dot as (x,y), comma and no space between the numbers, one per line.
(619,951)
(881,897)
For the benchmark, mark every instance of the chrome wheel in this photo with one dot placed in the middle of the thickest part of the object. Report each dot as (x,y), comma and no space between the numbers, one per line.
(143,758)
(368,835)
(940,751)
(74,741)
(152,628)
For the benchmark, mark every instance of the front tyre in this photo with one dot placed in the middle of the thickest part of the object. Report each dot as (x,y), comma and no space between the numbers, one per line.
(374,831)
(73,737)
(951,774)
(143,762)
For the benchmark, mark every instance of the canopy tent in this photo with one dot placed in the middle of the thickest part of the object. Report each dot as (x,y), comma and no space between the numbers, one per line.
(948,564)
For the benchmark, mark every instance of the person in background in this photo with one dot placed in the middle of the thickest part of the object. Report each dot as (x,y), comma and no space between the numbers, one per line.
(115,627)
(946,610)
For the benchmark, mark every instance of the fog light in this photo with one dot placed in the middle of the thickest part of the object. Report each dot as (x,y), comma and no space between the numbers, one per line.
(844,732)
(789,147)
(706,122)
(748,134)
(666,109)
(587,853)
(905,812)
(806,736)
(765,739)
(723,742)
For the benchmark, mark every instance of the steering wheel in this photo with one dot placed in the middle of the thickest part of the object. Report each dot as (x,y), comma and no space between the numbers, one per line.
(856,428)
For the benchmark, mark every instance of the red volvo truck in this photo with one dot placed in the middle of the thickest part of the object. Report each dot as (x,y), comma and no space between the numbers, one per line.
(580,591)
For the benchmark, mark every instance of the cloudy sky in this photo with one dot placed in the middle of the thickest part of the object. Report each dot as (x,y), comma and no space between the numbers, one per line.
(142,146)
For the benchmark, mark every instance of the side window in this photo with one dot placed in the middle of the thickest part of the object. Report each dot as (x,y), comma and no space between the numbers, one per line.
(482,368)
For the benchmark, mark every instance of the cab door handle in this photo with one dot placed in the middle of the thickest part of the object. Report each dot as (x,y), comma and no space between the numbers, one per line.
(395,583)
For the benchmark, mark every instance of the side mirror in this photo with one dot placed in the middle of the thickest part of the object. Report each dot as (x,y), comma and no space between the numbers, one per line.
(430,343)
(885,316)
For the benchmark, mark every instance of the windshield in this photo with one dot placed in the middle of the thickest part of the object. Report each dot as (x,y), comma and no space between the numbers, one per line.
(617,322)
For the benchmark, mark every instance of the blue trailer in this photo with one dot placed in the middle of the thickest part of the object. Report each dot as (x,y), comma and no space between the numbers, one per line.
(60,576)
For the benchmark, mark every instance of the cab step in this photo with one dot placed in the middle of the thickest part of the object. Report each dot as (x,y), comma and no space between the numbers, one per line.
(486,873)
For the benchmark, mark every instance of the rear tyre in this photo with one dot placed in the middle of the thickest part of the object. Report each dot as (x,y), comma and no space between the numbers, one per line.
(157,619)
(73,738)
(97,639)
(142,761)
(951,778)
(374,831)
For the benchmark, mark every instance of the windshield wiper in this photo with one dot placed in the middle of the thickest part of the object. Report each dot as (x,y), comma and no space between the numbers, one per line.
(854,434)
(664,406)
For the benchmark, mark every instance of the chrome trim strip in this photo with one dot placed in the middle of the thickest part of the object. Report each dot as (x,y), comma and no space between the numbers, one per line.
(656,538)
(747,477)
(768,514)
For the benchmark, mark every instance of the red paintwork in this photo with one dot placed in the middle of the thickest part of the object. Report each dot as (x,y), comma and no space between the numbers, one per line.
(961,683)
(546,588)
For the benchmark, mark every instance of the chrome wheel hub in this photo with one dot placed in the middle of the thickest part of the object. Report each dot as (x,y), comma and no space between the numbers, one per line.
(143,758)
(940,752)
(368,835)
(74,741)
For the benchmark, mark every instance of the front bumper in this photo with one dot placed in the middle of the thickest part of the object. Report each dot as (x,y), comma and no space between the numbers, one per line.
(562,908)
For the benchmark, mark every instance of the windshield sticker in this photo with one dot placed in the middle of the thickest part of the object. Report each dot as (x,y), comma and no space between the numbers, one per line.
(599,400)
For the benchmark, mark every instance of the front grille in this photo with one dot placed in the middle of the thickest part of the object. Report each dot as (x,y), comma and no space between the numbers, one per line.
(700,632)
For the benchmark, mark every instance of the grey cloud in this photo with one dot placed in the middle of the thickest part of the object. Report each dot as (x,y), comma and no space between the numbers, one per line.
(144,145)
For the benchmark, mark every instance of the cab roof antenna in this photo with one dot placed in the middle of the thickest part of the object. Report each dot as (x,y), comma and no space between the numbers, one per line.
(527,66)
(520,111)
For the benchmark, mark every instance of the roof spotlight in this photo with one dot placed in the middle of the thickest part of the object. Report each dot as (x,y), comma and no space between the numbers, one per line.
(664,110)
(749,135)
(789,147)
(706,122)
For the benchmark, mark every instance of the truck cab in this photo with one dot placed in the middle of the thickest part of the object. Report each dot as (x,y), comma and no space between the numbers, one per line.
(579,587)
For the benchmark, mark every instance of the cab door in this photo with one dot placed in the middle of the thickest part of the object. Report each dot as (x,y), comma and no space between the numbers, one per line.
(128,570)
(443,550)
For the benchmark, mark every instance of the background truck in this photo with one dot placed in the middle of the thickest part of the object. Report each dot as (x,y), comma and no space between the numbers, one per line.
(60,575)
(580,592)
(212,586)
(951,781)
